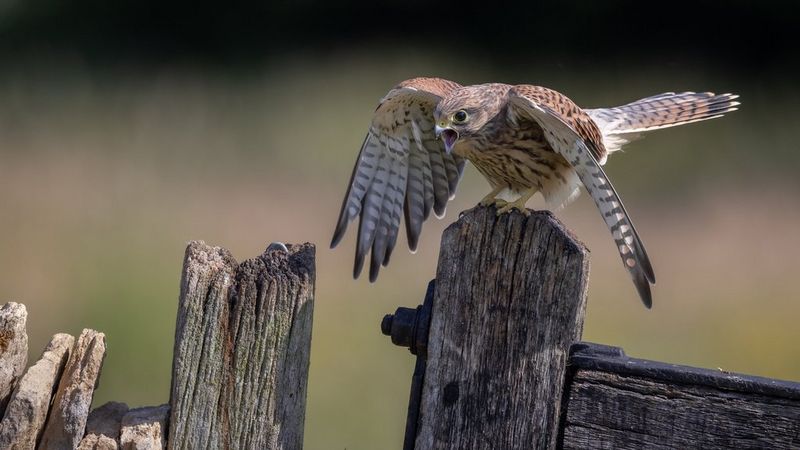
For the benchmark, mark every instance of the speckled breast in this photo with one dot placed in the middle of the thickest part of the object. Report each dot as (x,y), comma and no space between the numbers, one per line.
(517,157)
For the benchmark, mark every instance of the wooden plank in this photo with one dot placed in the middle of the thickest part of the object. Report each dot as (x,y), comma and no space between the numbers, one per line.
(242,349)
(509,301)
(616,402)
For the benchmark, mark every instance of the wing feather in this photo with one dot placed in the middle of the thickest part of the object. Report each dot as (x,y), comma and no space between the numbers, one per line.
(454,171)
(387,223)
(419,191)
(402,170)
(371,208)
(557,117)
(440,183)
(360,181)
(423,167)
(397,213)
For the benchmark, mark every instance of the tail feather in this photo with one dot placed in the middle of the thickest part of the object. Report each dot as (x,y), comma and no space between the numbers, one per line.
(623,124)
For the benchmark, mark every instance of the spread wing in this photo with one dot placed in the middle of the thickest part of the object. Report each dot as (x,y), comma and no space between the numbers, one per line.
(573,134)
(402,170)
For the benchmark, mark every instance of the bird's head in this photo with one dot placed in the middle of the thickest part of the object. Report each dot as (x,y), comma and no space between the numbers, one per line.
(463,113)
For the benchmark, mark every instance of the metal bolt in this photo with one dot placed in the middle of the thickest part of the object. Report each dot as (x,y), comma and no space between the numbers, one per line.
(386,324)
(408,327)
(401,326)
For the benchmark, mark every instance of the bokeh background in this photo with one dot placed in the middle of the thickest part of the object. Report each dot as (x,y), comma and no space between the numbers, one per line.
(128,128)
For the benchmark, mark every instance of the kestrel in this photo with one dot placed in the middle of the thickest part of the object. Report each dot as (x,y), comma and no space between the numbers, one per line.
(524,139)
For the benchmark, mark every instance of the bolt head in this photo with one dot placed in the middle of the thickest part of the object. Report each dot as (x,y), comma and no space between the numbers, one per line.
(386,324)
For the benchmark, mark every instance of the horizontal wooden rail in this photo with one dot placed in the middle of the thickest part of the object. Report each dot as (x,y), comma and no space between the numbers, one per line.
(617,402)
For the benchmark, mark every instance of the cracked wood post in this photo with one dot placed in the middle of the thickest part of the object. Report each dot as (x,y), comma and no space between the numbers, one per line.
(242,345)
(510,300)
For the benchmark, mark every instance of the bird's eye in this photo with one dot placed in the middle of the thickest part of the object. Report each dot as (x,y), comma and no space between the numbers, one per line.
(460,116)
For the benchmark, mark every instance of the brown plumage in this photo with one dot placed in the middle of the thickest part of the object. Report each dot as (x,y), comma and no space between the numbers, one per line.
(524,139)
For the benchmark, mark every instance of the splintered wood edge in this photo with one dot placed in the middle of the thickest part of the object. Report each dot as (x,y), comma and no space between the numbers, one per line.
(300,257)
(198,253)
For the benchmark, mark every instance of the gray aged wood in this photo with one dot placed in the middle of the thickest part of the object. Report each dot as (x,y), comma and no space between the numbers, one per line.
(510,299)
(626,403)
(242,346)
(13,348)
(26,413)
(66,422)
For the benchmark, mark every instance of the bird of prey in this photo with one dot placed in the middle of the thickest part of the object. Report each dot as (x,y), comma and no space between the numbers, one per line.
(524,139)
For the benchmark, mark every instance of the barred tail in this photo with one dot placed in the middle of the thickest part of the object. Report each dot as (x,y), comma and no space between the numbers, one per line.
(622,124)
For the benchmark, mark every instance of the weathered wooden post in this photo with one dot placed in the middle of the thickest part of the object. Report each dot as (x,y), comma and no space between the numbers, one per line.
(509,301)
(242,346)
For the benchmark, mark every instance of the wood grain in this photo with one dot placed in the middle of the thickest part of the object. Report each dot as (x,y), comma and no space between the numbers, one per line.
(510,299)
(242,349)
(617,402)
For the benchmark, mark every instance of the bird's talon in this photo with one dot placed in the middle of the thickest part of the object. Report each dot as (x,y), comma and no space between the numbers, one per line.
(519,206)
(491,198)
(496,202)
(506,208)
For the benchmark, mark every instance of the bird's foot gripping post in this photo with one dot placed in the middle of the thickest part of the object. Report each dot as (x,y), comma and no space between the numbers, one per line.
(509,300)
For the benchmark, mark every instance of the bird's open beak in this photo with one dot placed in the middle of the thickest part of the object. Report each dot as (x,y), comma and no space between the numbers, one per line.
(448,136)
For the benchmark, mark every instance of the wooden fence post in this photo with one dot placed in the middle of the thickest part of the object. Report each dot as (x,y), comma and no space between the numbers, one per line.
(242,345)
(509,301)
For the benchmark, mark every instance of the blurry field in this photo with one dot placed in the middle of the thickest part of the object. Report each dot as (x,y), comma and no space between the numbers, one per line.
(105,175)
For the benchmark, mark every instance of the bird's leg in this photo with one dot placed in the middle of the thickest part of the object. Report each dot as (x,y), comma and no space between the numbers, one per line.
(519,203)
(490,198)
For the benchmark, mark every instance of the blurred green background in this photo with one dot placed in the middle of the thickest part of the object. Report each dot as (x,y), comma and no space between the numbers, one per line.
(129,128)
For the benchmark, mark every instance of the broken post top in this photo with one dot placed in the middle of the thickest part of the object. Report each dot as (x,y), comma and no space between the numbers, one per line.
(297,258)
